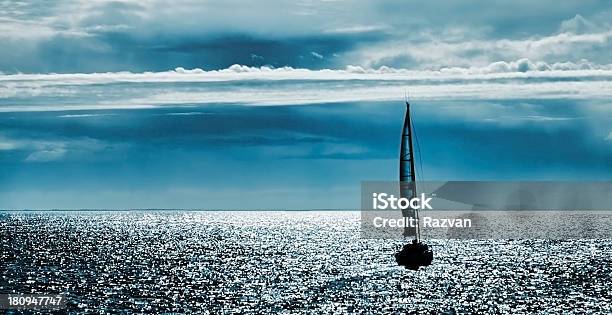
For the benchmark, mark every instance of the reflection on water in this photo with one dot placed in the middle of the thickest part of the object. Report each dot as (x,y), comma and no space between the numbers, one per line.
(264,262)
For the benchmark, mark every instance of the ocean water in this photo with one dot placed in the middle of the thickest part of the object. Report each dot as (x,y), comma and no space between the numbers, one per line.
(273,261)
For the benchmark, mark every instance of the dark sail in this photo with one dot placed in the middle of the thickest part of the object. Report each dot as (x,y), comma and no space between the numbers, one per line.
(407,175)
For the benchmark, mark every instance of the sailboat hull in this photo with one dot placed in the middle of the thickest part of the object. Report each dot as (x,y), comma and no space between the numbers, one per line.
(414,255)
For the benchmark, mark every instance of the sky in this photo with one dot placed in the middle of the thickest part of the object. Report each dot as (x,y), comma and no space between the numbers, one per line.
(75,36)
(291,104)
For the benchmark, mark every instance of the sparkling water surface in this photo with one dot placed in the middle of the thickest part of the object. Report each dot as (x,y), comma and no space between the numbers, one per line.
(292,262)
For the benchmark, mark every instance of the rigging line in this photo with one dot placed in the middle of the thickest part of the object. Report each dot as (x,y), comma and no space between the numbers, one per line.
(419,152)
(416,171)
(418,232)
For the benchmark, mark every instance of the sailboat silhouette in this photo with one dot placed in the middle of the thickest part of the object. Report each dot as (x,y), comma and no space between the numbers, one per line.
(415,254)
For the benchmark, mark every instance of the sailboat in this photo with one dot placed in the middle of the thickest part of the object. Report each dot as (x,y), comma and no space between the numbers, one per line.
(416,253)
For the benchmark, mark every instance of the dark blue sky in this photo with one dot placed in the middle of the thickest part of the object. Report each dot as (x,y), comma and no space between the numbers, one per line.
(299,157)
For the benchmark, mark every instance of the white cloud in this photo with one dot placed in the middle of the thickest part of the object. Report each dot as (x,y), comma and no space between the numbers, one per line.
(39,151)
(316,55)
(114,90)
(351,93)
(83,115)
(578,25)
(51,150)
(16,29)
(609,137)
(47,155)
(437,51)
(186,114)
(356,29)
(7,145)
(522,68)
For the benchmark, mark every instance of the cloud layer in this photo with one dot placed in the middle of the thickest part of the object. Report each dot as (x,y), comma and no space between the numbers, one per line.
(79,36)
(240,84)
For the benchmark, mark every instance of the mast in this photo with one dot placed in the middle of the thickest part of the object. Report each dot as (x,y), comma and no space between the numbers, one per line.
(407,176)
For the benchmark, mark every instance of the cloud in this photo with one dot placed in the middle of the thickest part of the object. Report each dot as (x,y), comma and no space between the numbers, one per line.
(96,36)
(46,150)
(526,65)
(511,69)
(609,137)
(83,115)
(579,25)
(437,53)
(316,55)
(186,114)
(355,93)
(508,120)
(48,155)
(37,150)
(357,29)
(7,145)
(75,36)
(277,86)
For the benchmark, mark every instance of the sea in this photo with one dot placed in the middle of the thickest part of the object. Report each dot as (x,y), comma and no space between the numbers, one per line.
(263,262)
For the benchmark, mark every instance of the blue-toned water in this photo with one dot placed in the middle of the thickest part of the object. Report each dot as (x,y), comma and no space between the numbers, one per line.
(268,262)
